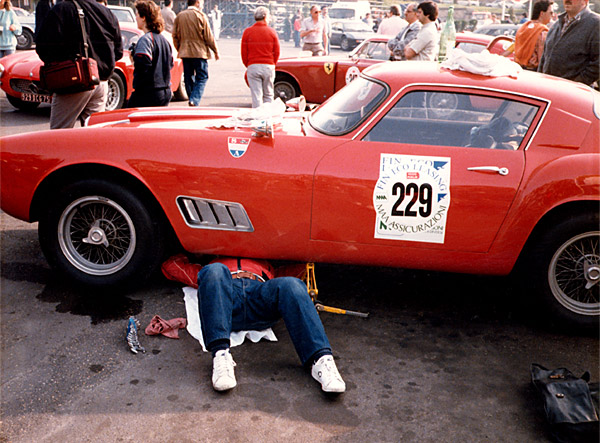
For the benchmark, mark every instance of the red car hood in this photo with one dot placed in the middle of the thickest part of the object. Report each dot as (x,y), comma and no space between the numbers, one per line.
(24,64)
(187,118)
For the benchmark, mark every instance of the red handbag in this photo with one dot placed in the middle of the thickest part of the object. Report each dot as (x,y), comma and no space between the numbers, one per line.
(69,76)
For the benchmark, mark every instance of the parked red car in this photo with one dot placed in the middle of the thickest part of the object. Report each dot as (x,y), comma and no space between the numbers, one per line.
(20,76)
(317,78)
(411,165)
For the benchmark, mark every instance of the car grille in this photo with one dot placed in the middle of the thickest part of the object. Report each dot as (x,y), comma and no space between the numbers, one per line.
(212,214)
(22,85)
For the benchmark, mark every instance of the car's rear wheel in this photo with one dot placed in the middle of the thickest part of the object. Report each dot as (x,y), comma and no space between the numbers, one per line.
(285,88)
(101,234)
(25,40)
(566,267)
(116,94)
(21,104)
(345,44)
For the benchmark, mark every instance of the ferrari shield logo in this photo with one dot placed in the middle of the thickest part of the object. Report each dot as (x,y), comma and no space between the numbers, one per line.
(237,146)
(328,68)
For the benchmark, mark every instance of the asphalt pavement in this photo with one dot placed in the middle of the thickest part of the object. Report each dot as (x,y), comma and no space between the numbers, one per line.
(441,357)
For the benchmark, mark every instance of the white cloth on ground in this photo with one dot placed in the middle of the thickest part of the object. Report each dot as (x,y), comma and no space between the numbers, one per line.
(193,323)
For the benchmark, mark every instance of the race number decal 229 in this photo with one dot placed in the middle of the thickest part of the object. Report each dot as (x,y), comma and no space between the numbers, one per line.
(412,197)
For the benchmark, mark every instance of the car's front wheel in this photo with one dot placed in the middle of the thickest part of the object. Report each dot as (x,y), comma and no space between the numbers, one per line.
(566,267)
(345,44)
(101,234)
(115,97)
(25,40)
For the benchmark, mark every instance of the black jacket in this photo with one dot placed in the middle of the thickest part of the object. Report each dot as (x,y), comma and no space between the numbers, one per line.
(60,37)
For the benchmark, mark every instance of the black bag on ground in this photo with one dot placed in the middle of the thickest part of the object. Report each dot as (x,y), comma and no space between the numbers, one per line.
(570,402)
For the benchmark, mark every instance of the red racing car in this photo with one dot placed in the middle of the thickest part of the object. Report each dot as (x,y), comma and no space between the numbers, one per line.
(20,76)
(411,165)
(317,78)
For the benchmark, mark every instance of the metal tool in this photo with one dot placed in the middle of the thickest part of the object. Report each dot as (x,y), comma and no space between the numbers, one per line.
(313,291)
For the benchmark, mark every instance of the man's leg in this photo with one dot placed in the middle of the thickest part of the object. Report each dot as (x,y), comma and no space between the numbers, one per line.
(287,297)
(66,108)
(216,302)
(189,75)
(201,68)
(255,82)
(268,81)
(96,103)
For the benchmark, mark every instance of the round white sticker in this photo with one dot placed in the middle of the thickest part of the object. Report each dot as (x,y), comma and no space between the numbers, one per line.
(352,73)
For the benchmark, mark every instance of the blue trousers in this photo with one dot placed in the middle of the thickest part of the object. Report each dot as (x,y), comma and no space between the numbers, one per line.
(228,305)
(195,76)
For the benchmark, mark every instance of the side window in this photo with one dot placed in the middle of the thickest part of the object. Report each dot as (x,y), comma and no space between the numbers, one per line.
(379,51)
(455,119)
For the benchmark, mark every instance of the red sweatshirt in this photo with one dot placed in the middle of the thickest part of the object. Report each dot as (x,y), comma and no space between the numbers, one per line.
(260,45)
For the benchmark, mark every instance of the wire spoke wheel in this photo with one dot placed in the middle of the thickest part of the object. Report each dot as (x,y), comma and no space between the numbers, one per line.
(574,274)
(96,235)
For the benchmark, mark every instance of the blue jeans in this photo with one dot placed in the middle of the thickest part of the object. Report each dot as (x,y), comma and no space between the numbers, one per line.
(5,52)
(228,305)
(195,75)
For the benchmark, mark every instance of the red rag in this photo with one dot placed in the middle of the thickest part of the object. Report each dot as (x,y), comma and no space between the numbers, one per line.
(168,328)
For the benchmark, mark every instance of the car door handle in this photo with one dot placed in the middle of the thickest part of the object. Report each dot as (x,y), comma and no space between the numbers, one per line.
(501,171)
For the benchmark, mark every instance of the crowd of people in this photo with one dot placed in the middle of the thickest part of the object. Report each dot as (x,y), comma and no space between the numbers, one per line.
(566,45)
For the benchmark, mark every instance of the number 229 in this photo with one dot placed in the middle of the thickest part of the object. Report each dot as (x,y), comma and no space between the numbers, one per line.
(413,193)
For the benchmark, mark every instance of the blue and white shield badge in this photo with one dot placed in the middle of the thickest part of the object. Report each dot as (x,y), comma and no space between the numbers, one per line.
(237,146)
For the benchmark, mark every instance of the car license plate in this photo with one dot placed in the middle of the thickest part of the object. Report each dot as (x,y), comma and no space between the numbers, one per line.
(38,98)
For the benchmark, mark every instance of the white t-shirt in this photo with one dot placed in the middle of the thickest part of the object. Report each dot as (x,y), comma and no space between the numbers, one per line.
(427,43)
(313,37)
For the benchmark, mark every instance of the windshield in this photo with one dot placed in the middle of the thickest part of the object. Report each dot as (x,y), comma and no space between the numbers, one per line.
(346,109)
(341,13)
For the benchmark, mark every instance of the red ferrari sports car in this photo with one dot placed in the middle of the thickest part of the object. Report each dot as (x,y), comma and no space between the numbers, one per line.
(20,76)
(317,78)
(410,165)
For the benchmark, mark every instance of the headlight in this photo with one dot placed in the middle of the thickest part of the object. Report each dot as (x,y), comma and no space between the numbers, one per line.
(1,70)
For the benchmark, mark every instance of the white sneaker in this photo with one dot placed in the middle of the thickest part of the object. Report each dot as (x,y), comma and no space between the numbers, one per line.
(326,373)
(223,377)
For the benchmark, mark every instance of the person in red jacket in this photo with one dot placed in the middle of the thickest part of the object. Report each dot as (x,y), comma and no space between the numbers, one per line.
(260,52)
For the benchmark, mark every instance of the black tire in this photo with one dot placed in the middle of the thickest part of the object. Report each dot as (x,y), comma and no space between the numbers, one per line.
(25,40)
(115,96)
(20,104)
(100,234)
(345,44)
(285,88)
(181,94)
(566,271)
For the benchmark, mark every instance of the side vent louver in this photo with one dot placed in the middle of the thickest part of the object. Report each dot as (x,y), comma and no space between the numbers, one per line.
(203,213)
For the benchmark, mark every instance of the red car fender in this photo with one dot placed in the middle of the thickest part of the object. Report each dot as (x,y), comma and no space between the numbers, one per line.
(546,189)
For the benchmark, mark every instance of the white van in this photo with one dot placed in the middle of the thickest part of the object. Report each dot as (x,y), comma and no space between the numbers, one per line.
(349,10)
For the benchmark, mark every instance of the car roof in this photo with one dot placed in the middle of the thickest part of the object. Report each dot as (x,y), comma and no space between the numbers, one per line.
(526,83)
